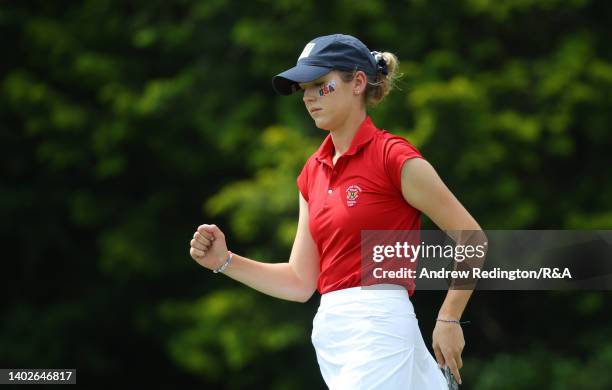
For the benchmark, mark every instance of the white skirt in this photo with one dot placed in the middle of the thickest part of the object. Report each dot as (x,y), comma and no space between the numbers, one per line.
(370,339)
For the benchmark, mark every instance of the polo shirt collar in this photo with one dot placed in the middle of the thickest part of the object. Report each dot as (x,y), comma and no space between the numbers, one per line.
(364,134)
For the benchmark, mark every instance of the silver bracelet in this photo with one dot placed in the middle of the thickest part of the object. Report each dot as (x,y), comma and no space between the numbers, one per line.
(453,321)
(228,261)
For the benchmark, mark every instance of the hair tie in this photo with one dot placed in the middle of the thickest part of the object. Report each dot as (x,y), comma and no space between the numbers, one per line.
(381,64)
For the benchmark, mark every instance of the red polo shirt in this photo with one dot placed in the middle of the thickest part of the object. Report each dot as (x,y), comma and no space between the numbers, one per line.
(361,192)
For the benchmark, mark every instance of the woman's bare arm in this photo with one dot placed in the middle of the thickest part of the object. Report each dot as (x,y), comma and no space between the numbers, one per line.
(424,190)
(295,280)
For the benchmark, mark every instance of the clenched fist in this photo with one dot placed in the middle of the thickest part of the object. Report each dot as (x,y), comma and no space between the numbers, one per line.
(208,246)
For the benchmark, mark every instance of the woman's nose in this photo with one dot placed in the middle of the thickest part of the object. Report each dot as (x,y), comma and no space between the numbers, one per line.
(309,95)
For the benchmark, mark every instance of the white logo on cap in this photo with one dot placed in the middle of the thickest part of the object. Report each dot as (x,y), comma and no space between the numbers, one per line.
(307,49)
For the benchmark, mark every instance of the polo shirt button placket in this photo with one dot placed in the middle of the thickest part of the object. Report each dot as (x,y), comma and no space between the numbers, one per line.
(332,181)
(332,176)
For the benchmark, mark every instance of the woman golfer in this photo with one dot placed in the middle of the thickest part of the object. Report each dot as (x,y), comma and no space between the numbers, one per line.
(360,178)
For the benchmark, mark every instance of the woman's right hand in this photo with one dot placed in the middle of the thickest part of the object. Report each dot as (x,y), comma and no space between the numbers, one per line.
(208,246)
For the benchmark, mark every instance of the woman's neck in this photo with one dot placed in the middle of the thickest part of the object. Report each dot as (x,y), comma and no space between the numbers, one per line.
(343,135)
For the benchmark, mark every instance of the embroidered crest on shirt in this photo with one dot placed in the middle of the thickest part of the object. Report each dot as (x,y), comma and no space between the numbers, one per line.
(352,193)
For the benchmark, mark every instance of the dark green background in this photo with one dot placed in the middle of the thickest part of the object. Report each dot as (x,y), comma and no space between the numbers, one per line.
(124,125)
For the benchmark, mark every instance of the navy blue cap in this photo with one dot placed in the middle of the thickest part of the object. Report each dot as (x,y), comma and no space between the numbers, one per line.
(323,54)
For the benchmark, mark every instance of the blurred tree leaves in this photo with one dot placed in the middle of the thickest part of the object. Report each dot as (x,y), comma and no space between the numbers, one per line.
(126,125)
(272,195)
(229,320)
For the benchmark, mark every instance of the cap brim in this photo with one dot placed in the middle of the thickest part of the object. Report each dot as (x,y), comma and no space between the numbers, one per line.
(287,82)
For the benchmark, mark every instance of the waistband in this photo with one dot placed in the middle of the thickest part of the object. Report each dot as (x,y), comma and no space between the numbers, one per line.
(360,293)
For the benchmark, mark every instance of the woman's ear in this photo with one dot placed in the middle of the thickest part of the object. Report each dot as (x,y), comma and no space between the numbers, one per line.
(360,82)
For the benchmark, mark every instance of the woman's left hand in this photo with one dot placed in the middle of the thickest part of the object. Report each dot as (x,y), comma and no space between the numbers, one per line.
(448,343)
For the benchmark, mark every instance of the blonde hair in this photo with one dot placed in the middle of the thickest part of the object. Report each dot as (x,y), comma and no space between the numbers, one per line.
(379,86)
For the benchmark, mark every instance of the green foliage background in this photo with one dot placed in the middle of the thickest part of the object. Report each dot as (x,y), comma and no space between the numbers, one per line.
(124,125)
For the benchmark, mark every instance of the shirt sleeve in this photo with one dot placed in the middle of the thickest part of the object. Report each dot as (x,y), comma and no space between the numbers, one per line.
(302,182)
(397,151)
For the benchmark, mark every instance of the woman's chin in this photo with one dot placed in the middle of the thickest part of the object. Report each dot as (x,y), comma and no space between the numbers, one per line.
(322,124)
